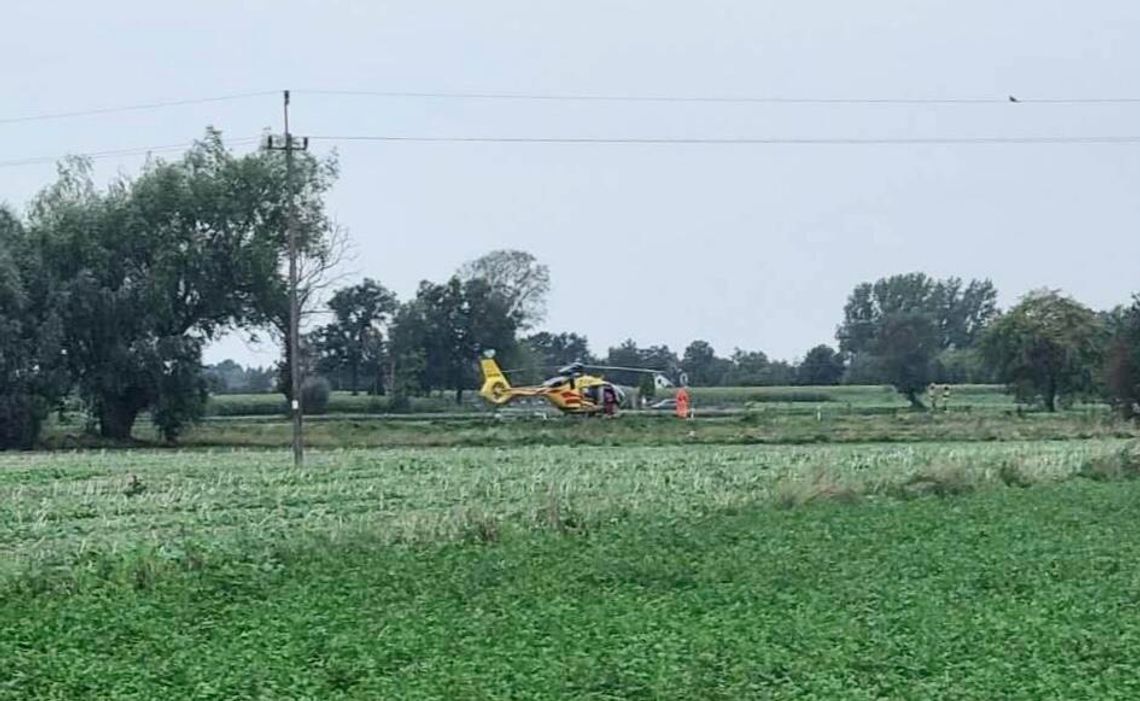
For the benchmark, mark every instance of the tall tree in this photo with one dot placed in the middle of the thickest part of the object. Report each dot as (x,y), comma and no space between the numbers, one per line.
(518,279)
(155,266)
(488,323)
(965,312)
(628,354)
(317,271)
(558,349)
(779,373)
(959,314)
(821,366)
(749,369)
(408,372)
(702,365)
(1048,347)
(355,338)
(1122,370)
(31,377)
(905,346)
(543,352)
(442,331)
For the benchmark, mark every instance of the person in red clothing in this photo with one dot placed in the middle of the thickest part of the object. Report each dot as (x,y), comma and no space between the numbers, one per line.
(682,403)
(609,400)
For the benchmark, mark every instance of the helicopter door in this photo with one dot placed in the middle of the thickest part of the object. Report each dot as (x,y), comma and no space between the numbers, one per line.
(591,393)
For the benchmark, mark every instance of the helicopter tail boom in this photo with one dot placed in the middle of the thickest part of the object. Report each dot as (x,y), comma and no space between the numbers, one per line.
(496,388)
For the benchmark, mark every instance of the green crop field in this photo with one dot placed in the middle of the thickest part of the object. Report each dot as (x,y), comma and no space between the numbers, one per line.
(918,570)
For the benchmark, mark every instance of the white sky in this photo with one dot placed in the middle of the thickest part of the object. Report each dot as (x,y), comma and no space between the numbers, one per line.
(742,245)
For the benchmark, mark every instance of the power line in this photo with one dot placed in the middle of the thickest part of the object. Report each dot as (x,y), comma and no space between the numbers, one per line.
(134,108)
(134,151)
(826,141)
(586,97)
(730,99)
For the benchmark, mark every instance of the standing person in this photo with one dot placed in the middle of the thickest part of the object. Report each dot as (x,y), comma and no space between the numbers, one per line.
(609,401)
(683,403)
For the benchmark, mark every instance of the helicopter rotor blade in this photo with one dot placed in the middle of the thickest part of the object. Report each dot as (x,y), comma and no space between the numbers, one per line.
(621,368)
(663,375)
(537,368)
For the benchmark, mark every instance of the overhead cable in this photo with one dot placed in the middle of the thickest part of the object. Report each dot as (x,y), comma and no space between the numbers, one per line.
(112,153)
(792,141)
(584,97)
(742,99)
(134,108)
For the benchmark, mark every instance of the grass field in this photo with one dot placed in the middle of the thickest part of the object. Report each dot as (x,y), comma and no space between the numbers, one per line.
(764,426)
(759,427)
(841,549)
(932,571)
(837,398)
(851,395)
(339,403)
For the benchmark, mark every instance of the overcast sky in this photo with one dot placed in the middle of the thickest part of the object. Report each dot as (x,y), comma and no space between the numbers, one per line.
(751,246)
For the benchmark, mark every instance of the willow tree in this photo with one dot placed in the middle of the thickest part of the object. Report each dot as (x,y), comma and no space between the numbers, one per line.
(1047,348)
(153,267)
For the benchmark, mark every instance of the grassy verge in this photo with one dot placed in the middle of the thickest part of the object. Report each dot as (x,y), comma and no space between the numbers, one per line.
(782,425)
(1007,593)
(850,395)
(838,398)
(339,403)
(753,428)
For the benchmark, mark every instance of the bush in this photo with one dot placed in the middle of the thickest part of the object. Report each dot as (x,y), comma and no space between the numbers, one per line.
(315,393)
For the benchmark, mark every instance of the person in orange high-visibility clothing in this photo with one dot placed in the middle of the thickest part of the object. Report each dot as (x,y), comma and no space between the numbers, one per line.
(682,403)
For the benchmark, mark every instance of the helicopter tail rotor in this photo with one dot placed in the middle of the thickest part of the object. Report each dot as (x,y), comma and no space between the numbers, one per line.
(496,389)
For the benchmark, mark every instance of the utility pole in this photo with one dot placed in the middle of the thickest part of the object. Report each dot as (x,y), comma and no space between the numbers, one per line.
(287,144)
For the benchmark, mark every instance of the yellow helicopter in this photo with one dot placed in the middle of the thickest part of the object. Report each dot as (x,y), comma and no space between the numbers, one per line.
(572,390)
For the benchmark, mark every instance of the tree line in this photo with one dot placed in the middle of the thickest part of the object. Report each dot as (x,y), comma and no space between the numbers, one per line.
(107,298)
(907,331)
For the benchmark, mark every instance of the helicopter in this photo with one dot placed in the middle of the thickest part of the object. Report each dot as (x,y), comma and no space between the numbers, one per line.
(572,389)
